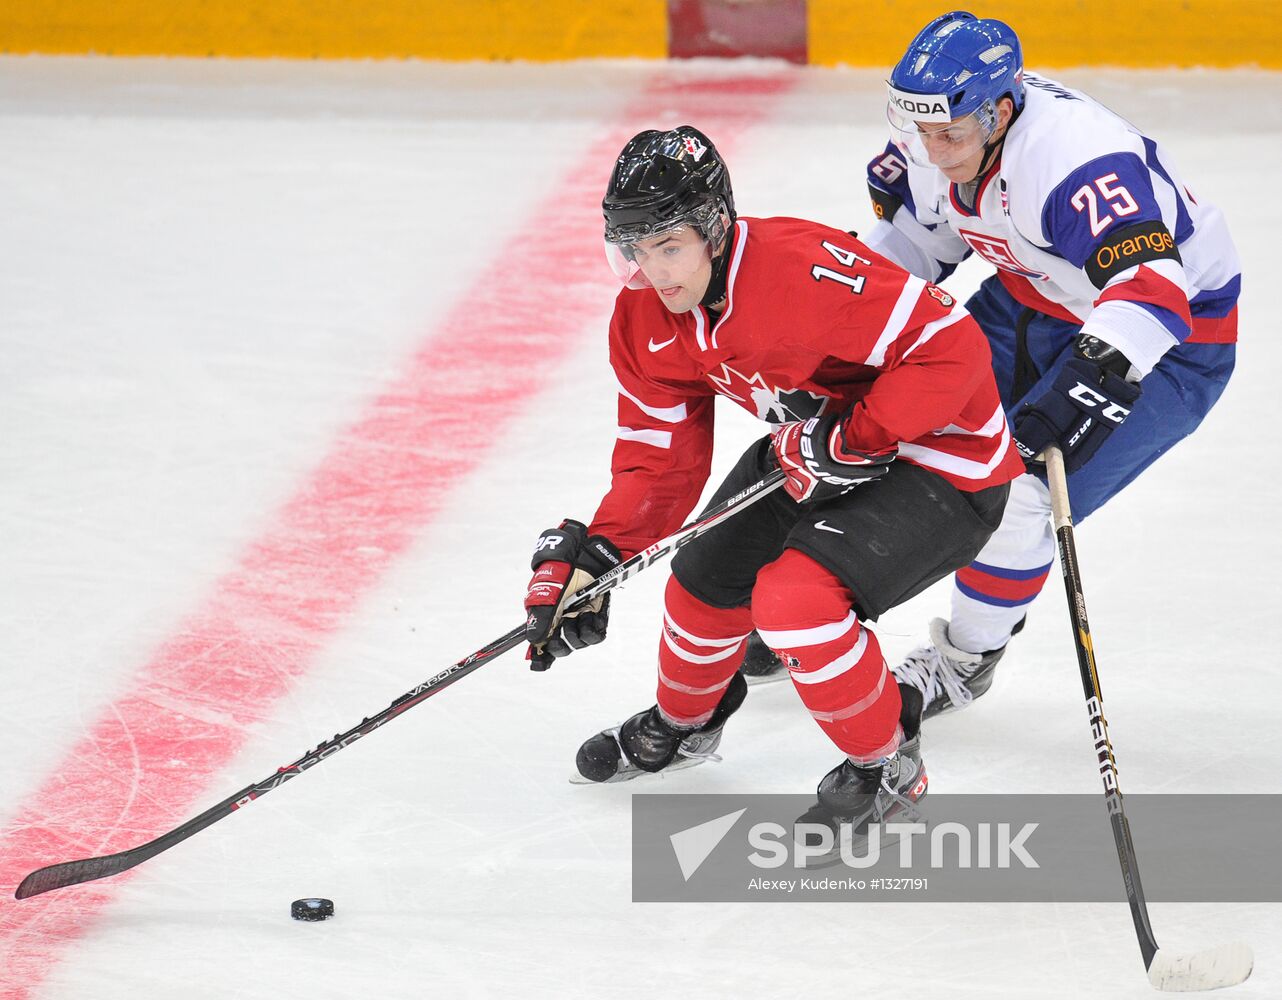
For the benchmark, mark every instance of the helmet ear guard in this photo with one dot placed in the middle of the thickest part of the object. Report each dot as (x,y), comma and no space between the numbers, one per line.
(712,221)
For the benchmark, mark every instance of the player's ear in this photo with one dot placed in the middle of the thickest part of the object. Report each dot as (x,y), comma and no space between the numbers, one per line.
(1005,111)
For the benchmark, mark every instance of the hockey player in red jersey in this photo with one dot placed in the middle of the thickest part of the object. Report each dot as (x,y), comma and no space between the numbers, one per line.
(885,416)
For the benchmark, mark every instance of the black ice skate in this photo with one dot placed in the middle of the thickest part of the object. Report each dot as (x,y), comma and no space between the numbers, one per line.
(860,795)
(760,664)
(947,677)
(647,743)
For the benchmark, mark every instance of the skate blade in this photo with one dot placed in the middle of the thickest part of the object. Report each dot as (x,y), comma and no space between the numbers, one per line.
(629,773)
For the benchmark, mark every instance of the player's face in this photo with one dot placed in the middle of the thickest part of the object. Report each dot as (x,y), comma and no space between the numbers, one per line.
(678,265)
(957,148)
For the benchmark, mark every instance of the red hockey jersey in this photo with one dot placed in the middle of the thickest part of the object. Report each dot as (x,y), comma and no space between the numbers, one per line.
(814,322)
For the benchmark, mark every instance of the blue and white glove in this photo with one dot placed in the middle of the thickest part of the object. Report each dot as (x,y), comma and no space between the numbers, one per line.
(1089,399)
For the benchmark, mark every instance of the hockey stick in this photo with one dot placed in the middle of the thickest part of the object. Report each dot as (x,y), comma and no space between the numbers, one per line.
(1223,965)
(67,873)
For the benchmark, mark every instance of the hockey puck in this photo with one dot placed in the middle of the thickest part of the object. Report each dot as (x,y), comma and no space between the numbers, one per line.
(311,909)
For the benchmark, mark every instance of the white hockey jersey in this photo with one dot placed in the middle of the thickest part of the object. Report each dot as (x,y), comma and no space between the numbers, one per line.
(1078,215)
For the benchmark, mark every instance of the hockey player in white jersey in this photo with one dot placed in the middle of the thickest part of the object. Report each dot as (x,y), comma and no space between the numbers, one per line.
(1112,315)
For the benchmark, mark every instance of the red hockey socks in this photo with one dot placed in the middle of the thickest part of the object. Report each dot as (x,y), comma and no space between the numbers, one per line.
(804,613)
(699,652)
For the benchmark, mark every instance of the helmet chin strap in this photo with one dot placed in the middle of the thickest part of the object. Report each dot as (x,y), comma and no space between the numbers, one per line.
(993,147)
(992,150)
(716,290)
(717,283)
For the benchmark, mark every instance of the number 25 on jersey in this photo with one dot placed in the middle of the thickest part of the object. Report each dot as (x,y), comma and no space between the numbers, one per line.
(1117,200)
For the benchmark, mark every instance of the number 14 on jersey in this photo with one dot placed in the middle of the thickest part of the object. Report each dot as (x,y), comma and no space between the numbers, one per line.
(846,258)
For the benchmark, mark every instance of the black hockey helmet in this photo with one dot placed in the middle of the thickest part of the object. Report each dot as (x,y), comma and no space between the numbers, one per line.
(663,180)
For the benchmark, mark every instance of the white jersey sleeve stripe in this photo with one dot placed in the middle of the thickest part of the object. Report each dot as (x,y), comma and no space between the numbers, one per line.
(660,439)
(991,428)
(963,468)
(667,414)
(930,329)
(899,317)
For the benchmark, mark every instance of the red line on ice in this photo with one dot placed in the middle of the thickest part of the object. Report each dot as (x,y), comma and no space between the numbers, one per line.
(385,477)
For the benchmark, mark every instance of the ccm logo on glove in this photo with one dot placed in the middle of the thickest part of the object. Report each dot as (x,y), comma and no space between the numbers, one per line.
(1085,403)
(1089,399)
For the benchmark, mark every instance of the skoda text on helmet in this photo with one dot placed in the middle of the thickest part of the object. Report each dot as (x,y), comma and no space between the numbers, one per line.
(663,181)
(950,80)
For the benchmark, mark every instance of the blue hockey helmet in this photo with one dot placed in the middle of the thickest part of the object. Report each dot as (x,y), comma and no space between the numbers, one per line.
(958,66)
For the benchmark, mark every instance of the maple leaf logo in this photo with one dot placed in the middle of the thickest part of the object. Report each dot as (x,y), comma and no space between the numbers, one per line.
(935,292)
(766,401)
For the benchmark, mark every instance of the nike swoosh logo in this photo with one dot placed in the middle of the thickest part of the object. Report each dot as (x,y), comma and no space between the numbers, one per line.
(658,347)
(823,526)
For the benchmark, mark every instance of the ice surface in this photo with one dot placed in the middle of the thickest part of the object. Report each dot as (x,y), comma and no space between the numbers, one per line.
(208,270)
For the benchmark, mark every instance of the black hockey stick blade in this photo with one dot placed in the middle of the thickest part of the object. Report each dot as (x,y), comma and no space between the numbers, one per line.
(67,873)
(73,872)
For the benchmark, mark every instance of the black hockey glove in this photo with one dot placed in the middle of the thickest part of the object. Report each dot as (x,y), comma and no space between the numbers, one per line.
(1088,400)
(819,465)
(565,561)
